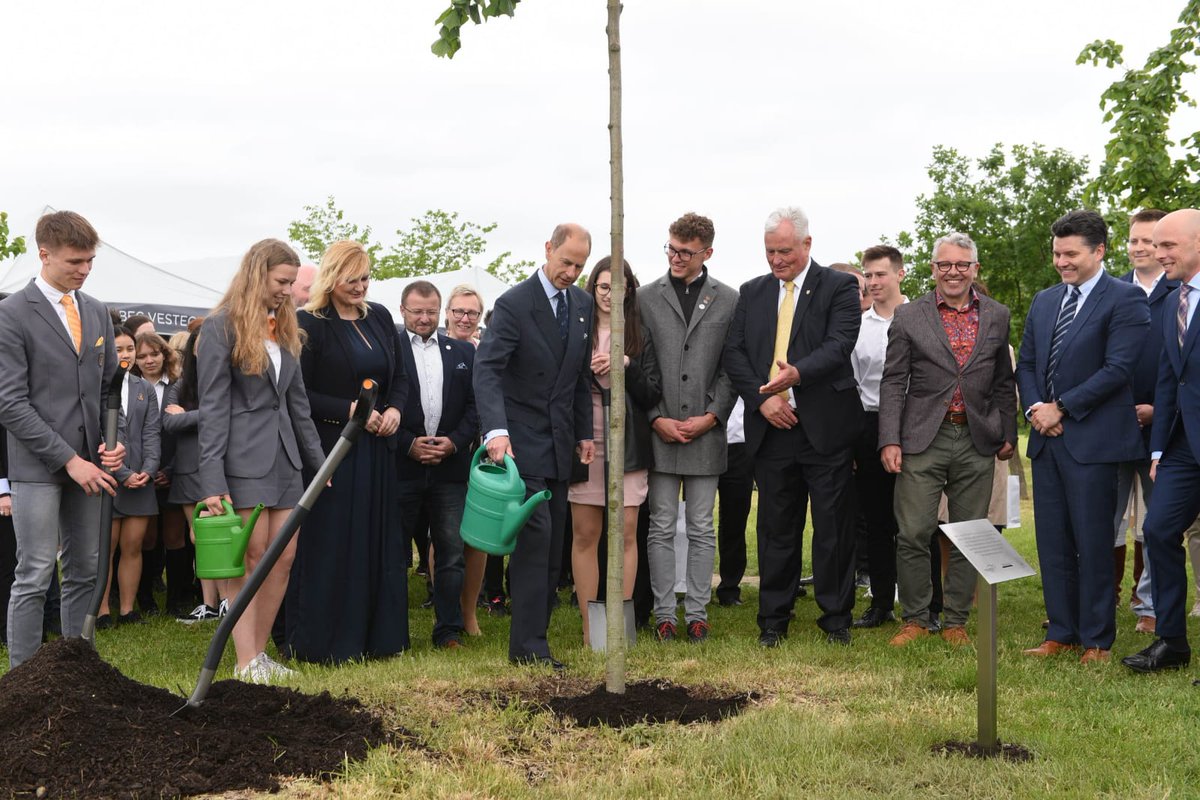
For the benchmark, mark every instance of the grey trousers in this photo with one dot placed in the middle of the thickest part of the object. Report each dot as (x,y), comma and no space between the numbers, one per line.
(45,517)
(953,465)
(1126,471)
(700,492)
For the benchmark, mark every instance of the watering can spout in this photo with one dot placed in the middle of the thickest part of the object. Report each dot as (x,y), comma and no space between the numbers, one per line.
(243,535)
(519,513)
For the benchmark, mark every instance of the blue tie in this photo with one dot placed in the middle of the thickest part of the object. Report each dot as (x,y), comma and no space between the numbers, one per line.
(561,314)
(1065,317)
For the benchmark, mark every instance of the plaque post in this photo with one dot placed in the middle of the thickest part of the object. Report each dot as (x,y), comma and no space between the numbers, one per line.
(986,678)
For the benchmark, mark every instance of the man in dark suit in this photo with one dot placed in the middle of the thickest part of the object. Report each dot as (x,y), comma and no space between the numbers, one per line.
(1147,274)
(437,426)
(945,415)
(1081,340)
(1174,443)
(56,345)
(533,371)
(788,357)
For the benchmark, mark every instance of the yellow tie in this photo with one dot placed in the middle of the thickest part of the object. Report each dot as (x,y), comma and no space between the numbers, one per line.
(73,320)
(783,331)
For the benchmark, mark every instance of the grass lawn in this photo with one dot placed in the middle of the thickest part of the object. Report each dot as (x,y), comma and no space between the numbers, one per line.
(833,722)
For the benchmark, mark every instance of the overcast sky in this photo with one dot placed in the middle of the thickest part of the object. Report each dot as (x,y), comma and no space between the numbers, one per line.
(186,131)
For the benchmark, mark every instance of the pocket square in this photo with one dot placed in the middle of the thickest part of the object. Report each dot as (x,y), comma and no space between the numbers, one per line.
(461,365)
(99,342)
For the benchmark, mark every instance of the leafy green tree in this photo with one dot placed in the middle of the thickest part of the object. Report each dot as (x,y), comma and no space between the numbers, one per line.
(1005,202)
(1139,170)
(438,242)
(325,225)
(457,15)
(13,248)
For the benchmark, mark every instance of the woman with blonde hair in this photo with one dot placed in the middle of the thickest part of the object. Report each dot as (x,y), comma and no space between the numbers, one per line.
(256,431)
(348,597)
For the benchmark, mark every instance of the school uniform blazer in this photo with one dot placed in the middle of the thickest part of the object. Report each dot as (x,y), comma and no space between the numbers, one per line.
(245,419)
(824,329)
(1094,371)
(329,376)
(1177,398)
(183,430)
(50,395)
(143,449)
(532,383)
(459,420)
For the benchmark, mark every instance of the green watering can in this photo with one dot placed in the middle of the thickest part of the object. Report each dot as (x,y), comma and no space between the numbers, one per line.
(496,507)
(221,542)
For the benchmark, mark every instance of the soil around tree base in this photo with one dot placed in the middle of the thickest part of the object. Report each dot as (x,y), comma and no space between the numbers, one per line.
(645,702)
(1006,750)
(71,725)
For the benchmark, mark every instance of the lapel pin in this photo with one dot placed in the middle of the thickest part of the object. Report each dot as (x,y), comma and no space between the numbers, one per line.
(581,319)
(141,397)
(447,347)
(808,291)
(702,306)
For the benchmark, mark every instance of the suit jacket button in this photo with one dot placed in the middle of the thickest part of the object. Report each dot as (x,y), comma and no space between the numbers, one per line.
(81,429)
(687,347)
(276,406)
(683,377)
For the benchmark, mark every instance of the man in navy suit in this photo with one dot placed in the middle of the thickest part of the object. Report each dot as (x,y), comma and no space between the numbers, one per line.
(1081,340)
(533,374)
(1174,443)
(1148,275)
(438,424)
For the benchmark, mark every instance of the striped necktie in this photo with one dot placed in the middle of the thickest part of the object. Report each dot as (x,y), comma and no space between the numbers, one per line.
(1065,317)
(1181,313)
(73,322)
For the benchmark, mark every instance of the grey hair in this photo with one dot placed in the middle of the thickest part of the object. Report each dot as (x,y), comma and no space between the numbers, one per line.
(958,240)
(792,214)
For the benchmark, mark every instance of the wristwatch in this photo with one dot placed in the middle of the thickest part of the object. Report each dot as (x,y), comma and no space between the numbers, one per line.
(1061,408)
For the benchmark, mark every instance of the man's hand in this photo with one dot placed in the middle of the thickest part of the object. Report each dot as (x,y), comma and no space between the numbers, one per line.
(695,427)
(91,478)
(890,457)
(111,460)
(498,447)
(6,506)
(777,412)
(786,379)
(1154,470)
(586,450)
(1006,452)
(1046,419)
(173,409)
(213,505)
(668,430)
(1145,414)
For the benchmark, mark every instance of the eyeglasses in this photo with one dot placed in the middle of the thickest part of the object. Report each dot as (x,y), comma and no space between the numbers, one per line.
(421,312)
(945,266)
(464,313)
(683,255)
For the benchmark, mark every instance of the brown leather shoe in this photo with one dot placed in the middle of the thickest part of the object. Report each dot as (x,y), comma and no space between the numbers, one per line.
(956,635)
(1094,654)
(1051,648)
(1145,625)
(909,633)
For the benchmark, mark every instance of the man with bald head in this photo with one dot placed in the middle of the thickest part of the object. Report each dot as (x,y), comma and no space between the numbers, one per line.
(1174,443)
(303,285)
(533,381)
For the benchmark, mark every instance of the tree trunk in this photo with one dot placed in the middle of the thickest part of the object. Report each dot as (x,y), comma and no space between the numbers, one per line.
(615,444)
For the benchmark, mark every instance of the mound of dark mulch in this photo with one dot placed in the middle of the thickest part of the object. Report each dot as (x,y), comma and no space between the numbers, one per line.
(1007,750)
(72,725)
(648,702)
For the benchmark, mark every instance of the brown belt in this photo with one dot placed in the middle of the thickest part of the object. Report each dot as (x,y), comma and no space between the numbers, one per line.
(956,417)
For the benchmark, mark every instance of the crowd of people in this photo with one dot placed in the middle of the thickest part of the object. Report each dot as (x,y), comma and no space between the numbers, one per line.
(824,387)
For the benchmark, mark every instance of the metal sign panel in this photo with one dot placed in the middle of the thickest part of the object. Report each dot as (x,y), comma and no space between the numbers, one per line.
(987,550)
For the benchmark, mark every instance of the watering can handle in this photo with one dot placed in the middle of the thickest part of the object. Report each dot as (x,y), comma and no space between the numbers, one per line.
(509,463)
(200,507)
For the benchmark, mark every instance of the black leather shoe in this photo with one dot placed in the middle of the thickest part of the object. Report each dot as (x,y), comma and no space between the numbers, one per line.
(840,636)
(1157,657)
(771,637)
(540,661)
(874,617)
(729,601)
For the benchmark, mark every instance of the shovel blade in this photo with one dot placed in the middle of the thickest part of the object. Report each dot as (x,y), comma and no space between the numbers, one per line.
(598,625)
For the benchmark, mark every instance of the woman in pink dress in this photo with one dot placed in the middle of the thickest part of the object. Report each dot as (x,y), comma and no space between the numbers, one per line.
(643,389)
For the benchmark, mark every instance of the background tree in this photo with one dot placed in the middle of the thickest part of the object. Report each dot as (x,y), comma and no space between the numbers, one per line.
(1139,169)
(325,225)
(9,248)
(1006,202)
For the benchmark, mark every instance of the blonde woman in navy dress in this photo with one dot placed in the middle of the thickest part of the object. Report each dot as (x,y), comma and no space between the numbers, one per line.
(255,428)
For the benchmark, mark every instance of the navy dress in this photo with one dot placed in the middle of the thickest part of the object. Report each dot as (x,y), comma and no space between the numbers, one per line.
(348,593)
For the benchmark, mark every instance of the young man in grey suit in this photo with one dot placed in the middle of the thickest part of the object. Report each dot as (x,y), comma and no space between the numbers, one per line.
(533,374)
(688,313)
(945,415)
(57,356)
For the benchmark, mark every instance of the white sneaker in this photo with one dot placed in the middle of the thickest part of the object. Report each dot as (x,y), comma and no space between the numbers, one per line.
(223,609)
(200,613)
(254,672)
(273,667)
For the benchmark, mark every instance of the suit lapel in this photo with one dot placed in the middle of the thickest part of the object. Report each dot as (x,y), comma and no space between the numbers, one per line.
(804,292)
(934,318)
(1081,317)
(449,362)
(44,310)
(544,319)
(986,320)
(704,302)
(1189,339)
(410,367)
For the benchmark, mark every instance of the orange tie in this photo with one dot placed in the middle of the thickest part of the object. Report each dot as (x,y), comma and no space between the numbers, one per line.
(73,320)
(271,328)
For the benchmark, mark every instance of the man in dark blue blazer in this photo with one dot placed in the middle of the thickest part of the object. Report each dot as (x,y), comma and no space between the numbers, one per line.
(1081,340)
(1147,274)
(532,376)
(437,425)
(1174,442)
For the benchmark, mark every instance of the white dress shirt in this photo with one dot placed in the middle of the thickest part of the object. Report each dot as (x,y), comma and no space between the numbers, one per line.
(55,297)
(428,359)
(869,354)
